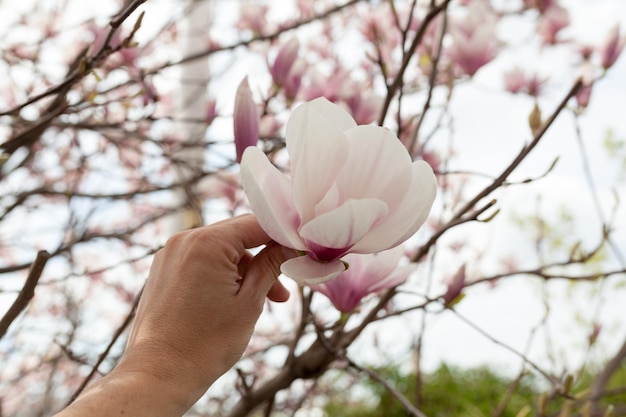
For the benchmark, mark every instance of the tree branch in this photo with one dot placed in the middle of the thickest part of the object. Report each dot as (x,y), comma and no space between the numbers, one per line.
(397,82)
(105,352)
(27,292)
(602,379)
(408,407)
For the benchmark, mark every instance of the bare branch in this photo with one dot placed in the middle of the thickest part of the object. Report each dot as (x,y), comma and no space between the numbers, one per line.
(408,407)
(601,380)
(105,352)
(27,292)
(397,82)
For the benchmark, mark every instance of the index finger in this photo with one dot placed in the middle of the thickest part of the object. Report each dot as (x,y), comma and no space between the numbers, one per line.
(244,228)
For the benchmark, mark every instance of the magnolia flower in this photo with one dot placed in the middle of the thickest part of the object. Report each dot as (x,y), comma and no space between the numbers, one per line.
(245,119)
(352,189)
(367,274)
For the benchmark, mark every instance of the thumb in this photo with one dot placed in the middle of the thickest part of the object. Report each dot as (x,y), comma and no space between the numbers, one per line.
(260,277)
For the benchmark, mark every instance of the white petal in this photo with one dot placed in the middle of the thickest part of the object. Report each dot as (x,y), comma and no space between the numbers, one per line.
(345,225)
(333,113)
(269,194)
(317,150)
(378,166)
(410,214)
(419,200)
(306,271)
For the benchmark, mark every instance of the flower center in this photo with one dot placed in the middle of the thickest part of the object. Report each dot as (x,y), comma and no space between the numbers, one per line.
(323,254)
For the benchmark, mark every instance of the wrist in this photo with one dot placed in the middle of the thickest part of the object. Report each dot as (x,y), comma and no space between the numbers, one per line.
(132,393)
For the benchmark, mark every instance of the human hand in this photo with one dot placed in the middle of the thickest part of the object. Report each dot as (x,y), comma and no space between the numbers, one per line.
(201,301)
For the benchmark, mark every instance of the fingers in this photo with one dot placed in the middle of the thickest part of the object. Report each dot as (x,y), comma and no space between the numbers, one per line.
(261,273)
(278,293)
(245,227)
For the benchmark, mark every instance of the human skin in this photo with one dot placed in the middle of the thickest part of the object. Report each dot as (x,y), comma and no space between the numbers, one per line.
(203,296)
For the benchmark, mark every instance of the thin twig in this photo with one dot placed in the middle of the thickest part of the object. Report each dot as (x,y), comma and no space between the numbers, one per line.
(458,217)
(432,82)
(555,382)
(259,38)
(409,408)
(27,292)
(105,353)
(506,399)
(522,154)
(397,82)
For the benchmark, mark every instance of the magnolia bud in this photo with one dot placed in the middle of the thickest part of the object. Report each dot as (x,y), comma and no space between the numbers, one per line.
(245,119)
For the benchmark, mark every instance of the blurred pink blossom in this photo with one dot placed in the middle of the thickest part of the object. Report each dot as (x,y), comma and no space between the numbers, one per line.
(253,16)
(210,113)
(474,41)
(455,287)
(375,29)
(269,126)
(245,119)
(339,87)
(284,61)
(126,56)
(149,94)
(364,106)
(292,84)
(612,47)
(553,20)
(321,85)
(517,81)
(583,96)
(306,8)
(367,274)
(352,189)
(223,185)
(587,78)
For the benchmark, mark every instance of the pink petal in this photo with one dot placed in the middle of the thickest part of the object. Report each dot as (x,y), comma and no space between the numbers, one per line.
(306,271)
(397,277)
(367,274)
(342,292)
(409,215)
(317,149)
(377,266)
(345,225)
(269,194)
